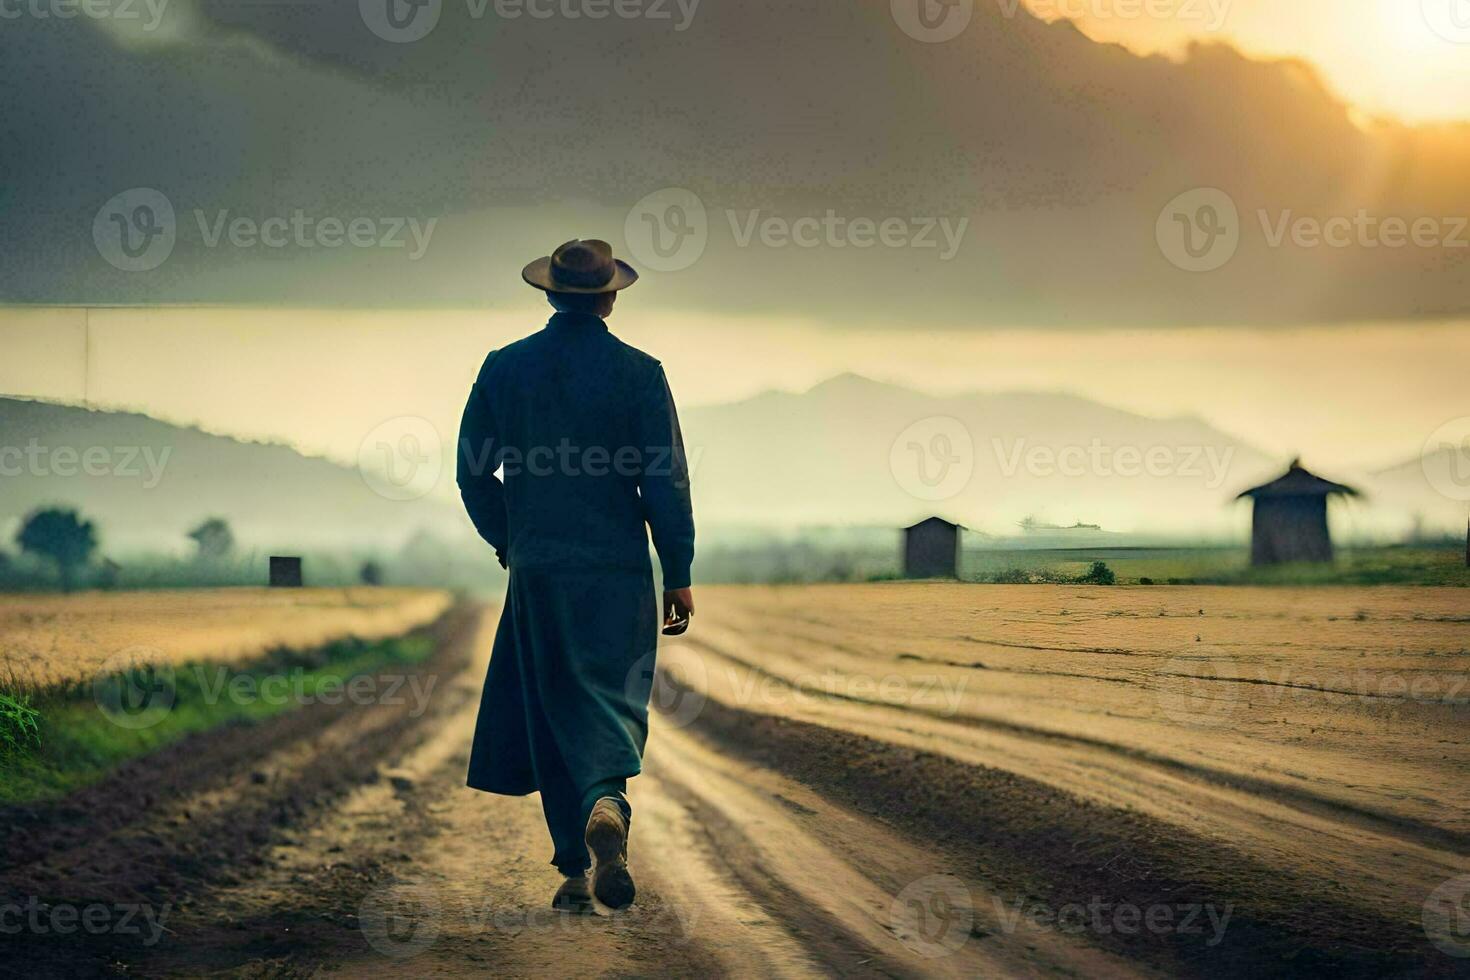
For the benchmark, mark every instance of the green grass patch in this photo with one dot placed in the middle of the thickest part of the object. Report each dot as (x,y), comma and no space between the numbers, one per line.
(19,722)
(56,741)
(1386,565)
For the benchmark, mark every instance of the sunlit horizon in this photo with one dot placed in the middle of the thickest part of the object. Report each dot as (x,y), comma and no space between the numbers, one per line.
(1357,397)
(1406,59)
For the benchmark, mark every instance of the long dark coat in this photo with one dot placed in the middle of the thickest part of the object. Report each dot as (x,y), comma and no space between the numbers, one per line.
(583,430)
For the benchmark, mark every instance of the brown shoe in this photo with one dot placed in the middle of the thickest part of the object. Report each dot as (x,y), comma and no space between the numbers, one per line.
(607,839)
(573,895)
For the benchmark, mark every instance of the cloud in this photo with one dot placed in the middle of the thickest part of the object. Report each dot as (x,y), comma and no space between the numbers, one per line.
(1058,154)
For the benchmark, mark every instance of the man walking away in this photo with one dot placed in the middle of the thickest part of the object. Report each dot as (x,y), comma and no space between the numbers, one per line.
(584,430)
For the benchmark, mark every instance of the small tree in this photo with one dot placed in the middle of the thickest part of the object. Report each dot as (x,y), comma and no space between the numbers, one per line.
(60,536)
(371,573)
(214,539)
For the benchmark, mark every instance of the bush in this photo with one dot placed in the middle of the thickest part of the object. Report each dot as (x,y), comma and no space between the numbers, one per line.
(1099,574)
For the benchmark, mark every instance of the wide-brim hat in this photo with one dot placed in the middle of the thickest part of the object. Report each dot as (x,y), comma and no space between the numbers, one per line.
(580,266)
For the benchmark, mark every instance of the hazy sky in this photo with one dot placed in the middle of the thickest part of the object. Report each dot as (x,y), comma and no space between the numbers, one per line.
(1383,56)
(1021,172)
(1344,397)
(1059,213)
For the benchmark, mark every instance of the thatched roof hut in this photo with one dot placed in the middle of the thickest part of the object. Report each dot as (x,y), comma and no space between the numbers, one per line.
(1289,522)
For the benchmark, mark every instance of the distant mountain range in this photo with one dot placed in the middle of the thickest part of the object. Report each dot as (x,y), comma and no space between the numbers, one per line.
(146,483)
(850,451)
(1407,495)
(856,450)
(859,450)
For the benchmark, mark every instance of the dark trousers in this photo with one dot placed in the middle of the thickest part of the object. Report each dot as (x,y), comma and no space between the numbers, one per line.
(567,809)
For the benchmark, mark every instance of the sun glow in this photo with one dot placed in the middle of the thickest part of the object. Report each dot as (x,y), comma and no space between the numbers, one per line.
(1403,33)
(1404,58)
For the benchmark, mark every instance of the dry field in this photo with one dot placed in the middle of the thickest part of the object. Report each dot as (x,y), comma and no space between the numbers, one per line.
(52,639)
(1357,698)
(1322,732)
(871,780)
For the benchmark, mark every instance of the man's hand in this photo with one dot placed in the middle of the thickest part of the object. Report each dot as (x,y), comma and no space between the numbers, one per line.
(678,607)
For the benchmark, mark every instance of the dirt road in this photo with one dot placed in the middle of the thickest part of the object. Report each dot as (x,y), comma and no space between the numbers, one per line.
(823,795)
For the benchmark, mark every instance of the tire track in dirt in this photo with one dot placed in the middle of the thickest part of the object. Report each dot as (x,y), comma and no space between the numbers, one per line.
(462,883)
(1020,844)
(1370,876)
(1417,832)
(472,891)
(741,872)
(866,842)
(163,830)
(1385,861)
(843,884)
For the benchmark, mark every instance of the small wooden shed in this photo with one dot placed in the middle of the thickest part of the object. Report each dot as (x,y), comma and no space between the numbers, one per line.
(1289,519)
(285,572)
(931,549)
